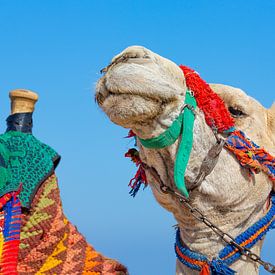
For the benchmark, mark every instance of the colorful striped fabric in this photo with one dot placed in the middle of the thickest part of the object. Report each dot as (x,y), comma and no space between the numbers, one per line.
(11,225)
(229,254)
(250,155)
(40,240)
(43,242)
(50,244)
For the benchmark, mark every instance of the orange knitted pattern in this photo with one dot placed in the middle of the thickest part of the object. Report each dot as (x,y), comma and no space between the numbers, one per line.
(50,244)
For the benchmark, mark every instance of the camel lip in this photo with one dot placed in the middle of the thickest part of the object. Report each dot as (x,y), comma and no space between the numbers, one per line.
(100,98)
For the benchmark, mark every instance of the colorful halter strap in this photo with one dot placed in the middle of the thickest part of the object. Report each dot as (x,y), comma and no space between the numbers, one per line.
(249,154)
(183,126)
(228,254)
(217,116)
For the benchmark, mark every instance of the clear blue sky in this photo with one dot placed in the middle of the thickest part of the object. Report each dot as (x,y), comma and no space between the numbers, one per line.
(57,48)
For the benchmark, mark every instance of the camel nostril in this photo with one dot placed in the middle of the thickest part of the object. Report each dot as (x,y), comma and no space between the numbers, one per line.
(125,58)
(114,62)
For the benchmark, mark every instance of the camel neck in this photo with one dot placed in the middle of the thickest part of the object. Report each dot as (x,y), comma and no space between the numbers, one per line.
(20,122)
(229,254)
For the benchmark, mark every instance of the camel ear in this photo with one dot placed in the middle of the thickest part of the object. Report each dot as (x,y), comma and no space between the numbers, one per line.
(271,121)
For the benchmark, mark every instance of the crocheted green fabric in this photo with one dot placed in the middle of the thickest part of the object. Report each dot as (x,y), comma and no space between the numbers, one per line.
(24,160)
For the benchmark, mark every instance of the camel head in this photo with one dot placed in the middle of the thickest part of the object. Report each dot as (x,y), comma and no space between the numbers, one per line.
(139,87)
(145,92)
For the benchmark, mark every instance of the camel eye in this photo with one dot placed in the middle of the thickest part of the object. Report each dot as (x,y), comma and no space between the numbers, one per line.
(236,112)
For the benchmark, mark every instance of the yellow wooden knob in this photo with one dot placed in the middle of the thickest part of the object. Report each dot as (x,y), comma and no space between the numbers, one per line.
(22,101)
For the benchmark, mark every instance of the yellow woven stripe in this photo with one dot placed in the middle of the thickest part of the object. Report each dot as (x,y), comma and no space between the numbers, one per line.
(1,244)
(51,261)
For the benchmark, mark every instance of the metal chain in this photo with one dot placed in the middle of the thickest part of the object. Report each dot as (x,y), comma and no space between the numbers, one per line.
(196,213)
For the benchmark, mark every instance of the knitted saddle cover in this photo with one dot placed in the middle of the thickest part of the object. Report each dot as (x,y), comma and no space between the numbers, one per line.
(50,244)
(35,236)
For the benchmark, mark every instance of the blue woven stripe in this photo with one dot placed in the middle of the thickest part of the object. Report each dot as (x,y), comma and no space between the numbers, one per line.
(244,140)
(188,253)
(12,223)
(7,220)
(229,248)
(237,140)
(248,233)
(192,266)
(271,168)
(237,255)
(260,158)
(254,144)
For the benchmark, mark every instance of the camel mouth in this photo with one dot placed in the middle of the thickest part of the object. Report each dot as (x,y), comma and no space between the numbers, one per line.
(101,97)
(134,94)
(128,109)
(136,80)
(128,102)
(104,91)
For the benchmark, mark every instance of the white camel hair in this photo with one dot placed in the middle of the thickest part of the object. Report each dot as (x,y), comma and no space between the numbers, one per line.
(145,92)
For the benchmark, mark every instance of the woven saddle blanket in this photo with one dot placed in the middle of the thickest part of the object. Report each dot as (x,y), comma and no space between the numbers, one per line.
(35,235)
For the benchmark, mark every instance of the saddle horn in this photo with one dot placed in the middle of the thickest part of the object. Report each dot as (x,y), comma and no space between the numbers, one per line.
(22,101)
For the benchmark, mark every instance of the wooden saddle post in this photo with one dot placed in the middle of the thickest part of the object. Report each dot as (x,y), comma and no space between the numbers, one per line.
(22,101)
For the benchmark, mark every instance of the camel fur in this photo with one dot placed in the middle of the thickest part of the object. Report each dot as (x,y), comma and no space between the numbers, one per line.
(145,92)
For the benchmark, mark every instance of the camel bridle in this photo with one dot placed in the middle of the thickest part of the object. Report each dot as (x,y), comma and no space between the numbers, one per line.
(183,126)
(181,194)
(250,155)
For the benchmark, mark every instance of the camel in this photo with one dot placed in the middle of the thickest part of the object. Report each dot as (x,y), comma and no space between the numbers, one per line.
(43,240)
(144,92)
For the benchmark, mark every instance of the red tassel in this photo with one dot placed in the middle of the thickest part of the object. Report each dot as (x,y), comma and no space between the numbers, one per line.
(140,176)
(131,134)
(205,269)
(216,114)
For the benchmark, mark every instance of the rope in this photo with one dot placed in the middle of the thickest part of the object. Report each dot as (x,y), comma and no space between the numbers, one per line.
(250,155)
(229,253)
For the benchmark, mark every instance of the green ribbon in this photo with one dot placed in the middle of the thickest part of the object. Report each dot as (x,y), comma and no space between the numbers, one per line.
(183,126)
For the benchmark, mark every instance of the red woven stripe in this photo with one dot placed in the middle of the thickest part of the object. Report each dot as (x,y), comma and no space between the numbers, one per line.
(10,257)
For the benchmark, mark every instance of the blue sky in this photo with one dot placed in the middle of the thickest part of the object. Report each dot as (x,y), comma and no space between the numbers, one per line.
(57,49)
